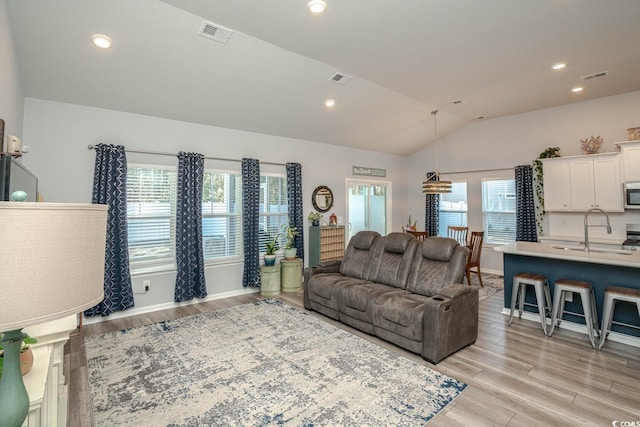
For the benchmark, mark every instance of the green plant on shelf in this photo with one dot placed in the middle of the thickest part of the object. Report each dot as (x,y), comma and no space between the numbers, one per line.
(548,153)
(290,233)
(272,246)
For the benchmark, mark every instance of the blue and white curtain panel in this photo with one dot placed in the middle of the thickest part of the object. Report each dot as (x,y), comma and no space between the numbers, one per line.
(431,204)
(110,188)
(525,205)
(251,222)
(190,281)
(294,198)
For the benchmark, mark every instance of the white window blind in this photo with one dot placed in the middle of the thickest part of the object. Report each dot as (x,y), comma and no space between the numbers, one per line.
(273,210)
(453,207)
(221,215)
(499,210)
(151,212)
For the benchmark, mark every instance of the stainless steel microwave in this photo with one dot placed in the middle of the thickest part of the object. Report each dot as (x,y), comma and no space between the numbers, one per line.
(632,195)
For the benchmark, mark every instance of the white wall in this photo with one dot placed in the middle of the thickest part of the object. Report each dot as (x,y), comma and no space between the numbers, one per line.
(11,97)
(59,133)
(514,140)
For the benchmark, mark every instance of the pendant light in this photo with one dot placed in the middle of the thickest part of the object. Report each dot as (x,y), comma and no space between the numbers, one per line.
(432,184)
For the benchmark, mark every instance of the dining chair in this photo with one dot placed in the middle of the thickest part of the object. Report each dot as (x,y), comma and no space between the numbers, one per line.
(420,235)
(458,233)
(475,247)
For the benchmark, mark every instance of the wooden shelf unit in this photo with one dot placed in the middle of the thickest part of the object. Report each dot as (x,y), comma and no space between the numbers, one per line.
(325,243)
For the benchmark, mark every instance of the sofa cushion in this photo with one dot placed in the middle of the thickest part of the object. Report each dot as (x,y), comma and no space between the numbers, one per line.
(357,257)
(325,285)
(442,261)
(392,256)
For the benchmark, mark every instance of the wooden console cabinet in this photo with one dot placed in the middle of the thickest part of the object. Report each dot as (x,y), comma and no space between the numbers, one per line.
(325,242)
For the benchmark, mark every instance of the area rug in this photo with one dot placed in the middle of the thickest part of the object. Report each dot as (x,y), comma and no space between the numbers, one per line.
(493,284)
(258,364)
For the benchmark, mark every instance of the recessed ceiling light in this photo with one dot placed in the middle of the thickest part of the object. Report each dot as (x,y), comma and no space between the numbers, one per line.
(329,103)
(101,41)
(577,89)
(559,65)
(317,6)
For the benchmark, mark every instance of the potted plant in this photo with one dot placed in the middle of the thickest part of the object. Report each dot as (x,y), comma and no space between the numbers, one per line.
(26,355)
(291,233)
(270,251)
(411,226)
(315,217)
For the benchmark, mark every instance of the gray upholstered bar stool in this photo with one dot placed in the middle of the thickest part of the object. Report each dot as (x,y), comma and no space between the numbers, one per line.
(611,295)
(588,299)
(543,296)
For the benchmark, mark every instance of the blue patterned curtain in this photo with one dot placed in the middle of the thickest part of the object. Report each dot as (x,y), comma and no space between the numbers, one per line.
(432,201)
(525,205)
(190,281)
(251,222)
(110,188)
(294,198)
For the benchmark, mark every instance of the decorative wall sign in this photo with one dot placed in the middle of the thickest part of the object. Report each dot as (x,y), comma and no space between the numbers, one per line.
(364,171)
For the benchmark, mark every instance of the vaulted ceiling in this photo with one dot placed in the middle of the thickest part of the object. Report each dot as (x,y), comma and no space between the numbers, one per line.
(407,58)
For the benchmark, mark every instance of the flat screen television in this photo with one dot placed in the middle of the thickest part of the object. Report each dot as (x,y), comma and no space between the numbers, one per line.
(15,177)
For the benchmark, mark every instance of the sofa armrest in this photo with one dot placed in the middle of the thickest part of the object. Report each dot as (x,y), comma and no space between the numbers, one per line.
(454,290)
(329,266)
(449,323)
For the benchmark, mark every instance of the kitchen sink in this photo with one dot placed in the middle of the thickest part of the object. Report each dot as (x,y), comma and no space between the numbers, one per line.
(597,250)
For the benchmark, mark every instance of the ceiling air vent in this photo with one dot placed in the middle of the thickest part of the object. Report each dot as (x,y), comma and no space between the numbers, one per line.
(594,75)
(341,79)
(215,32)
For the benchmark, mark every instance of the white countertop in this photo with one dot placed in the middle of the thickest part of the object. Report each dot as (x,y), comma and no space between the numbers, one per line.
(571,253)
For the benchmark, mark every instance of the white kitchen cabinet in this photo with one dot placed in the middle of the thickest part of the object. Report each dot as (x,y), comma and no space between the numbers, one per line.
(630,160)
(583,182)
(556,185)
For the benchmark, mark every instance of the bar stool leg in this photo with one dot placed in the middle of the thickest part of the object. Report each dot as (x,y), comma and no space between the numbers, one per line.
(515,289)
(607,315)
(585,298)
(547,295)
(522,293)
(558,297)
(541,297)
(594,314)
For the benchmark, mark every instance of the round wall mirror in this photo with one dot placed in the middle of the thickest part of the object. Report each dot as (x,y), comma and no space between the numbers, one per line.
(322,198)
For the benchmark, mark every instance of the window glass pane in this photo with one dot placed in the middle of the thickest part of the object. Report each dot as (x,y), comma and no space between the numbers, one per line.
(151,202)
(453,207)
(273,209)
(499,210)
(221,214)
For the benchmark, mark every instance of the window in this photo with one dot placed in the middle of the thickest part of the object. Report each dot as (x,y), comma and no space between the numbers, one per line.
(499,210)
(274,209)
(151,213)
(221,214)
(453,208)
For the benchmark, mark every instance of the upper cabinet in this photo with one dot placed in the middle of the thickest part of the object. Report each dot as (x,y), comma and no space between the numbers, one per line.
(583,182)
(631,160)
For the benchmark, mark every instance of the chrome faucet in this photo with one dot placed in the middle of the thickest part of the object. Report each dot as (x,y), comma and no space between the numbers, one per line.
(586,226)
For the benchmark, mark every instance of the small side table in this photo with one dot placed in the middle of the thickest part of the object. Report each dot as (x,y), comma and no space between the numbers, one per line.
(291,275)
(270,277)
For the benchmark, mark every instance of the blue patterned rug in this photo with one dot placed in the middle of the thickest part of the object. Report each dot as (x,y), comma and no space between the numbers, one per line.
(259,364)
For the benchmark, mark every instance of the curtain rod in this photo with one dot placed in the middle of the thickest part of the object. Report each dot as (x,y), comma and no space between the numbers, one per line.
(477,171)
(160,153)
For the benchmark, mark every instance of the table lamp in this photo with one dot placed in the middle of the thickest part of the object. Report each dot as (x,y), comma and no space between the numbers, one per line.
(51,266)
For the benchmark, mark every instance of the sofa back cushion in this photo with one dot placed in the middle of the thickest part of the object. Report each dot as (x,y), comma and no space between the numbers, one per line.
(356,259)
(392,257)
(440,262)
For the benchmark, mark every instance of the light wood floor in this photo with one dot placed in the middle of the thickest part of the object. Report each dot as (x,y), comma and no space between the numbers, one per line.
(516,375)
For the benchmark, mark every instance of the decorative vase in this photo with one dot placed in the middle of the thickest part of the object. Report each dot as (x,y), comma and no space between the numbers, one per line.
(26,361)
(290,253)
(315,223)
(269,260)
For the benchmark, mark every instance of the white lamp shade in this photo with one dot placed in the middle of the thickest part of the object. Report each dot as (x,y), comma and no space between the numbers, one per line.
(51,261)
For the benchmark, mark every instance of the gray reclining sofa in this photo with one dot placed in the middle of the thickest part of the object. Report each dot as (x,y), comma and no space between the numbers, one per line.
(401,289)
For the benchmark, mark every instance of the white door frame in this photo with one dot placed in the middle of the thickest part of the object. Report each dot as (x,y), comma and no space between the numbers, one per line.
(349,182)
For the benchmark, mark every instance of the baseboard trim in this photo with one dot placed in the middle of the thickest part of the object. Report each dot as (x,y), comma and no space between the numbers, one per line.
(151,308)
(578,327)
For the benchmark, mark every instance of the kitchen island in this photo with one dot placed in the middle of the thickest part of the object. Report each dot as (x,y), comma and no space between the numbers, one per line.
(602,267)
